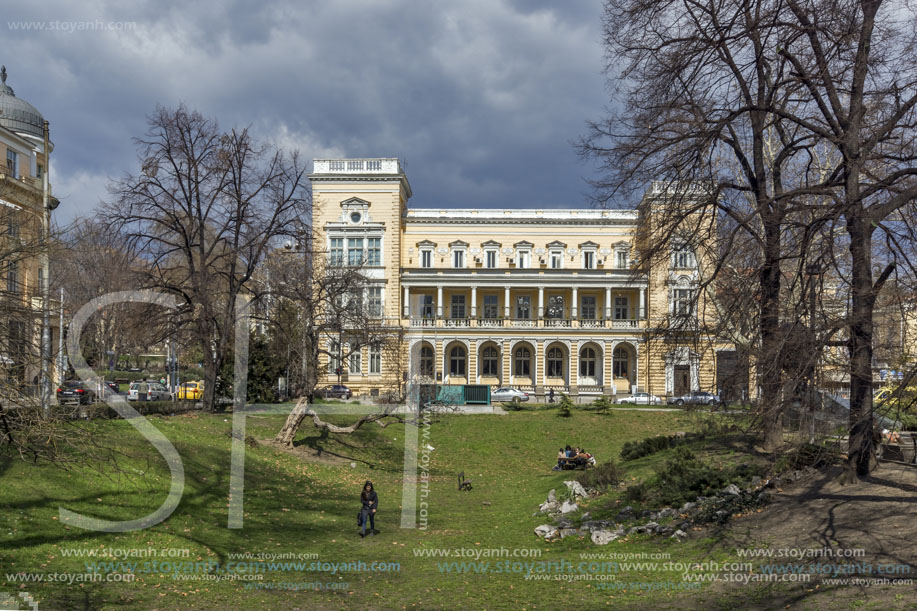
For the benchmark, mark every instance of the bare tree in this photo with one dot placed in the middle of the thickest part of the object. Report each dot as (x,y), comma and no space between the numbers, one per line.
(204,211)
(319,305)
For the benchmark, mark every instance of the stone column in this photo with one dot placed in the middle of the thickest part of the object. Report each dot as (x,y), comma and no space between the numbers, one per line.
(641,314)
(506,303)
(573,305)
(474,302)
(407,302)
(540,302)
(607,302)
(439,301)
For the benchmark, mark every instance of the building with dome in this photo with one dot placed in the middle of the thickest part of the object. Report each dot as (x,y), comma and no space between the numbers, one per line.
(25,208)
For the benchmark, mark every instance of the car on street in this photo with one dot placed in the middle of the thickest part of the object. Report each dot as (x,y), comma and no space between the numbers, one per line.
(508,394)
(641,398)
(110,388)
(148,391)
(695,398)
(334,391)
(75,392)
(191,391)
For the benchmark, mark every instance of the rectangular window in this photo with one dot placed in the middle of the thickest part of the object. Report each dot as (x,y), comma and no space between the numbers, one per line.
(375,358)
(355,365)
(374,251)
(523,259)
(683,302)
(354,251)
(12,277)
(458,306)
(375,301)
(490,306)
(621,259)
(490,259)
(12,229)
(426,258)
(587,307)
(334,357)
(557,259)
(426,306)
(621,308)
(588,260)
(458,259)
(41,171)
(336,254)
(12,163)
(523,307)
(683,257)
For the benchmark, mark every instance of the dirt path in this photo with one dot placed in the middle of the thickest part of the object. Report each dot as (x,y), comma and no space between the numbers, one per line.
(813,520)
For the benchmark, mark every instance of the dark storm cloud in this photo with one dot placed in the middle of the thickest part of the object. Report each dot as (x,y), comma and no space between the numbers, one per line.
(482,98)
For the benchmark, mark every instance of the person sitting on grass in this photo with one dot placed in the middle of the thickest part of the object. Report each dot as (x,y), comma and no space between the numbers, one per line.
(370,501)
(561,459)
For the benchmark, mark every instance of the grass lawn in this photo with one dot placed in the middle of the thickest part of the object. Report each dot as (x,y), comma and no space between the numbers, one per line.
(306,506)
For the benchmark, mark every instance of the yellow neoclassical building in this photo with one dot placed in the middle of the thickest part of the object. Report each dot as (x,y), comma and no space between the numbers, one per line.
(533,299)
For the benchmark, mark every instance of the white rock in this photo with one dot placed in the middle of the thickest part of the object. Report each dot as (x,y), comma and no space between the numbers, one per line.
(576,488)
(547,507)
(568,507)
(732,489)
(679,535)
(546,530)
(552,496)
(604,537)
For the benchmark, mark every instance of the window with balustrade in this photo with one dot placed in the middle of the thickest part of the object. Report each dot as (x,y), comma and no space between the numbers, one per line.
(458,306)
(490,307)
(622,308)
(524,307)
(427,309)
(587,307)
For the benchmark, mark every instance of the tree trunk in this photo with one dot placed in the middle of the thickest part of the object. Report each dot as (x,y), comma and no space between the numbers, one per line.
(294,420)
(861,445)
(769,368)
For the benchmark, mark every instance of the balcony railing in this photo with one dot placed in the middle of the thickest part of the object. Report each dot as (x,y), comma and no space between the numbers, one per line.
(526,323)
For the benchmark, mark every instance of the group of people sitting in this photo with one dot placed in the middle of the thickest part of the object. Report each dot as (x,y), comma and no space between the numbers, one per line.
(573,458)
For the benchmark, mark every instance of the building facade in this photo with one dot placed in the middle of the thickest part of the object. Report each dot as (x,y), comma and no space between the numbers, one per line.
(23,225)
(533,299)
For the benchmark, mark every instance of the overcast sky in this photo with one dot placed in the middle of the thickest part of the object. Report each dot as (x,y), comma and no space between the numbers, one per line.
(481,98)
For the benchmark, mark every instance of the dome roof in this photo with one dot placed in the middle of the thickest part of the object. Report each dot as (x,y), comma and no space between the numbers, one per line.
(16,114)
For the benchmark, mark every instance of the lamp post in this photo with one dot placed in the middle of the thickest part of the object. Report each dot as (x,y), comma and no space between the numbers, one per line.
(45,352)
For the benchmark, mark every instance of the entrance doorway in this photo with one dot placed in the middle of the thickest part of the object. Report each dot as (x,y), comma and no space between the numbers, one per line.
(682,379)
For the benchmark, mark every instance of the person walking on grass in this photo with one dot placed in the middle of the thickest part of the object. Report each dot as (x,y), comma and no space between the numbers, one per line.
(370,501)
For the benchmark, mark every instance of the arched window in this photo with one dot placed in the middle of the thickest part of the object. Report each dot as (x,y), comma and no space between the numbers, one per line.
(522,362)
(426,361)
(619,363)
(489,361)
(555,363)
(457,361)
(587,362)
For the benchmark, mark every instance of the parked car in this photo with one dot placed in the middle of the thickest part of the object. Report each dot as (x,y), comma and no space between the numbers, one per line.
(334,391)
(191,391)
(148,391)
(508,394)
(641,398)
(696,398)
(110,388)
(75,392)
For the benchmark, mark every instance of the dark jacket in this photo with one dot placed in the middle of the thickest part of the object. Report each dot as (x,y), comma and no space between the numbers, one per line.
(370,501)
